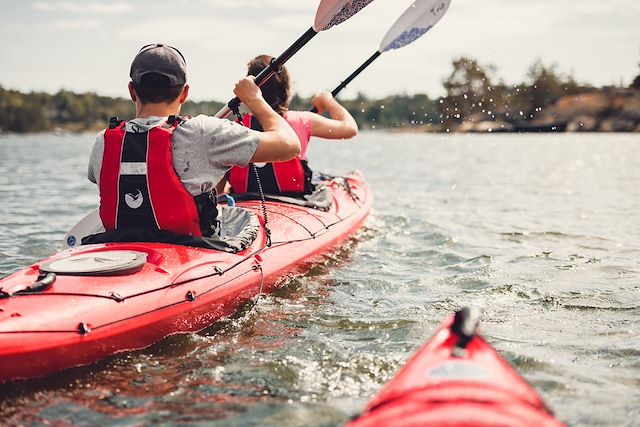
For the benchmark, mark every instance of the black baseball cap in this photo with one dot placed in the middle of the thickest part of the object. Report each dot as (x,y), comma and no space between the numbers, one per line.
(160,59)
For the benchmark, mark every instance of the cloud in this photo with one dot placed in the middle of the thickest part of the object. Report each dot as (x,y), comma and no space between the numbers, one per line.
(218,32)
(219,36)
(295,23)
(77,24)
(79,7)
(274,5)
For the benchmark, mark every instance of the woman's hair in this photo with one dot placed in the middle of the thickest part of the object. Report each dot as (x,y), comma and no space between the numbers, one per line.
(277,90)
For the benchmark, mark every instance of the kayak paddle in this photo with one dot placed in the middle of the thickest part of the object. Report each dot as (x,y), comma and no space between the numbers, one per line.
(329,14)
(416,21)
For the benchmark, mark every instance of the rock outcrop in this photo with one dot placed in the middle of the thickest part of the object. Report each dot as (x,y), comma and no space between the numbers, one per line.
(606,110)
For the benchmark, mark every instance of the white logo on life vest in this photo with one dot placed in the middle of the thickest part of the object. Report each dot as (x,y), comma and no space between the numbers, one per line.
(134,200)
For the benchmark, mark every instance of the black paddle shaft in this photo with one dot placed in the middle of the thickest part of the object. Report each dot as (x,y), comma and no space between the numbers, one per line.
(278,62)
(353,75)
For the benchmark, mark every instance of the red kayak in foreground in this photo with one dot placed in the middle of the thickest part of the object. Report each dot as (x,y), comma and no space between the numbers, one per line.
(95,300)
(457,379)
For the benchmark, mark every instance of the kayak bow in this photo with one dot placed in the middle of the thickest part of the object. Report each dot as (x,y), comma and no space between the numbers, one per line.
(457,379)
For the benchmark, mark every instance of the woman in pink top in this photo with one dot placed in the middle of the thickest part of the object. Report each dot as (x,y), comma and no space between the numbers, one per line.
(294,176)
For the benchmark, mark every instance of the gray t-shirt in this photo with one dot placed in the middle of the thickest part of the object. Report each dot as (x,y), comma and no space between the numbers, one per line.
(204,149)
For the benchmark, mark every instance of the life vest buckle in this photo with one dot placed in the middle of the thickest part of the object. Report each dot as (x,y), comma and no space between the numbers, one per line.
(173,121)
(114,122)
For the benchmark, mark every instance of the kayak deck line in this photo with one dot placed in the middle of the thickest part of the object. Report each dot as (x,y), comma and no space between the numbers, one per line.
(189,297)
(312,235)
(306,212)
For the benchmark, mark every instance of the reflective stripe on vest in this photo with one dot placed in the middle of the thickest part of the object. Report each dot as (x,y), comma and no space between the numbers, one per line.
(276,178)
(139,186)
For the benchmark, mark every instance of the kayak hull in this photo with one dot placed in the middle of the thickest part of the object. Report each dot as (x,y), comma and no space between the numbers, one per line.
(79,320)
(445,385)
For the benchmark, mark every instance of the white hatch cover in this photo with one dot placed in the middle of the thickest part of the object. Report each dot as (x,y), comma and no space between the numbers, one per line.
(105,263)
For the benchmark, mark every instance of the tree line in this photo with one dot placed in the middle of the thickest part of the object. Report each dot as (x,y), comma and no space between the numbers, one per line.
(65,110)
(473,92)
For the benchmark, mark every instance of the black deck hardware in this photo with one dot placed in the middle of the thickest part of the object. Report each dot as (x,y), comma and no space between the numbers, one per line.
(83,328)
(116,297)
(465,324)
(44,281)
(113,122)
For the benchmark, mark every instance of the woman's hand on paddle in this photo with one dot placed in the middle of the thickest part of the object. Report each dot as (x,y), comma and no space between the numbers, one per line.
(322,101)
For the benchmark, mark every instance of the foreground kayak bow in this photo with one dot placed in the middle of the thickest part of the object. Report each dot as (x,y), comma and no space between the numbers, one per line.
(457,379)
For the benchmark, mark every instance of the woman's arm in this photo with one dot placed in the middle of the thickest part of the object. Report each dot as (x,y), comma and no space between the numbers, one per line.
(341,125)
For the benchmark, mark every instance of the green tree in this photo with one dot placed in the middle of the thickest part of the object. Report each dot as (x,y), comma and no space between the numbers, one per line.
(470,93)
(636,82)
(547,85)
(543,87)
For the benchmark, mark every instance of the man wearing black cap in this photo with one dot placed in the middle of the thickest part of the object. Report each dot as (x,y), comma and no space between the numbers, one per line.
(159,170)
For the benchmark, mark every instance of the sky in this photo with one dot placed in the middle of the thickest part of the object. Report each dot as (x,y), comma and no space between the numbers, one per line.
(88,45)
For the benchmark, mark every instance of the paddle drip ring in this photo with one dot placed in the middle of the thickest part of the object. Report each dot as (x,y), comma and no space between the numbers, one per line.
(275,69)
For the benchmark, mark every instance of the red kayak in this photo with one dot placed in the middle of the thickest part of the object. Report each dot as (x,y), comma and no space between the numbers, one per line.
(91,301)
(457,379)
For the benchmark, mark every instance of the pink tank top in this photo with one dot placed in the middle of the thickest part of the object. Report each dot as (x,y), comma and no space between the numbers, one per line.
(300,122)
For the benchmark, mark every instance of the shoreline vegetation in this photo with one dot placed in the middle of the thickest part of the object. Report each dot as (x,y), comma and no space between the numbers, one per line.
(476,100)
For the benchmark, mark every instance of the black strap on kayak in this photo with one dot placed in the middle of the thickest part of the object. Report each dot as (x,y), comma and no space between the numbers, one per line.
(465,325)
(42,283)
(263,205)
(345,184)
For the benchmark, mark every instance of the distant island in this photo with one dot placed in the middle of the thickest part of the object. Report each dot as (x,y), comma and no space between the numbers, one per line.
(475,101)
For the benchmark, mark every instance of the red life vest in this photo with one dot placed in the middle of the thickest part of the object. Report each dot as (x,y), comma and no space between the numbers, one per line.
(139,186)
(290,177)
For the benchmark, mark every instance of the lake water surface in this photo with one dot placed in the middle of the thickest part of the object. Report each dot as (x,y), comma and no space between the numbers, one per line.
(541,231)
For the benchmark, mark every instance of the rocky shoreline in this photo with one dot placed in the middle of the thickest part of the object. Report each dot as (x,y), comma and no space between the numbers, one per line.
(608,110)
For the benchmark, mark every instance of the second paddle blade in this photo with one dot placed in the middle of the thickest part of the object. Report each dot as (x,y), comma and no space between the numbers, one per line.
(419,18)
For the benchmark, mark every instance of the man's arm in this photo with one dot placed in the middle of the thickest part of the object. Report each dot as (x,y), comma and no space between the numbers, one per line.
(95,159)
(278,142)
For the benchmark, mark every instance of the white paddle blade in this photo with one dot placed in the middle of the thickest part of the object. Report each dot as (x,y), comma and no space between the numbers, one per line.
(421,16)
(90,224)
(334,12)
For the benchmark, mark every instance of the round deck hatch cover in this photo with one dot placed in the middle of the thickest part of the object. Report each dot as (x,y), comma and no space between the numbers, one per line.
(105,263)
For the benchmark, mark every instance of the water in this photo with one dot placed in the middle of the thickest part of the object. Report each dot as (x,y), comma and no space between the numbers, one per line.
(541,231)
